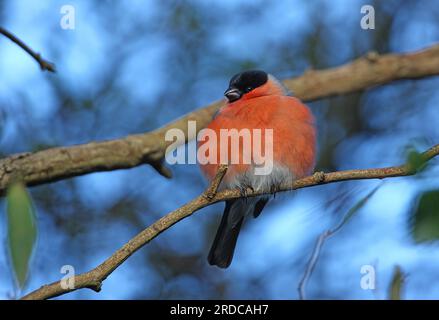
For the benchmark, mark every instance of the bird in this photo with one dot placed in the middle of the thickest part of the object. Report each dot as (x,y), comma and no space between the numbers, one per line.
(256,100)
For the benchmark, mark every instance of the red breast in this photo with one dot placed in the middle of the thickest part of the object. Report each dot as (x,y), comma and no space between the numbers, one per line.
(266,107)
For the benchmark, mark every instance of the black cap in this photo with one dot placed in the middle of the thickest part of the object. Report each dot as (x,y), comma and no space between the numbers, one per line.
(244,82)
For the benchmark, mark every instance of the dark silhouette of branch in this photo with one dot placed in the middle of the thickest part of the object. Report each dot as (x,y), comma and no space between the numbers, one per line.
(44,64)
(93,279)
(66,162)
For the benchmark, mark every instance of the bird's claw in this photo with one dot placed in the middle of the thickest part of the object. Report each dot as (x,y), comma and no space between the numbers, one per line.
(243,190)
(319,176)
(273,189)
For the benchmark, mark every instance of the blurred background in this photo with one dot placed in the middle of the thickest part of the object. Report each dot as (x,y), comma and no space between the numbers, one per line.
(131,66)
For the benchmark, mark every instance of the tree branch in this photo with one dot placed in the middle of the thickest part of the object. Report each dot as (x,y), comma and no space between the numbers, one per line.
(93,279)
(66,162)
(44,64)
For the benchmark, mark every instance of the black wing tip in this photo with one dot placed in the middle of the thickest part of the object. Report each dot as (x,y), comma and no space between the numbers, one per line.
(217,261)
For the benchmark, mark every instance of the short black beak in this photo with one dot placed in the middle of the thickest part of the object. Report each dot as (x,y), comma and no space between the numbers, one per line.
(232,94)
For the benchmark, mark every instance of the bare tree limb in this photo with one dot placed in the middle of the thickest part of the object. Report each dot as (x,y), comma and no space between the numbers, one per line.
(44,64)
(66,162)
(93,279)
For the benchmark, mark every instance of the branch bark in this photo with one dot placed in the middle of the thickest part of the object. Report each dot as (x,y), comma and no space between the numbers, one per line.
(44,64)
(93,279)
(66,162)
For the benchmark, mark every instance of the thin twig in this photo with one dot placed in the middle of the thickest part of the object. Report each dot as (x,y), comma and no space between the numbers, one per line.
(44,64)
(312,263)
(214,185)
(321,240)
(93,279)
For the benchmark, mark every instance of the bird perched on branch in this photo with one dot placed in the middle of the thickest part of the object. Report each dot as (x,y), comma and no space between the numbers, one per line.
(267,137)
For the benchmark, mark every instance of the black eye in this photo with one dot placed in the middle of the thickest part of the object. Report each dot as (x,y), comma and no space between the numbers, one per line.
(248,89)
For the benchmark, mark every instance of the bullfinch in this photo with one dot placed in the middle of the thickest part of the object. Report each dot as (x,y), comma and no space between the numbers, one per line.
(259,104)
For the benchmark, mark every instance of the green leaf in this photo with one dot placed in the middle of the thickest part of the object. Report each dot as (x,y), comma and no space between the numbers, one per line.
(22,231)
(360,204)
(425,217)
(397,283)
(415,160)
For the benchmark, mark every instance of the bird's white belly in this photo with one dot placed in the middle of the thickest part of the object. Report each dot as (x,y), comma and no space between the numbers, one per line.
(279,175)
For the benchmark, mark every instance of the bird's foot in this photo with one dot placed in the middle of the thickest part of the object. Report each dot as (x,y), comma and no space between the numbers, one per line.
(244,190)
(273,189)
(319,176)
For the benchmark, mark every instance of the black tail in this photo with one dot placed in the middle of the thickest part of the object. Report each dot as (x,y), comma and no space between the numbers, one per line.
(223,247)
